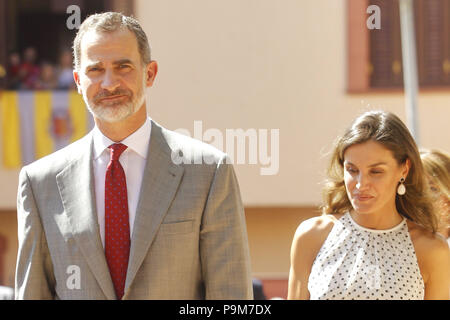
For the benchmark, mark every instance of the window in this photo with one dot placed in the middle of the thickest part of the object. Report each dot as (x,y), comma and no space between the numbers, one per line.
(375,56)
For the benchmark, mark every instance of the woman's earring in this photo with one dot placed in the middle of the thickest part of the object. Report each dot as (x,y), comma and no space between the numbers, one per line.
(401,190)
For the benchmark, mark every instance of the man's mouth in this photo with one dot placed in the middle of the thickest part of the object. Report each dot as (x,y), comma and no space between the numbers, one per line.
(112,98)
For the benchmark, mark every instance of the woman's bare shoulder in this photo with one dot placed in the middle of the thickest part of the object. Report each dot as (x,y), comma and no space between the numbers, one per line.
(316,227)
(426,240)
(308,239)
(431,249)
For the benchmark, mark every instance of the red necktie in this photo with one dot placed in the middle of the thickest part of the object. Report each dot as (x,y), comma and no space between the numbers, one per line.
(117,227)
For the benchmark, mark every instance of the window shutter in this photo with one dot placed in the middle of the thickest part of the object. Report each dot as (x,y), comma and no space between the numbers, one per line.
(431,41)
(385,47)
(432,28)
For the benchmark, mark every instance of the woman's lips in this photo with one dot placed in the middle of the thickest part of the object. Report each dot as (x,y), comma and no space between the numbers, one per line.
(363,197)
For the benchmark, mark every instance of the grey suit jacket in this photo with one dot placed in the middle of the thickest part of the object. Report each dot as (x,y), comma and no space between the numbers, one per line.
(189,239)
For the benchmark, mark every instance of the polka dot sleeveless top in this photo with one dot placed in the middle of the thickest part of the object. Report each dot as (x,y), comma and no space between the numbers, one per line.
(360,263)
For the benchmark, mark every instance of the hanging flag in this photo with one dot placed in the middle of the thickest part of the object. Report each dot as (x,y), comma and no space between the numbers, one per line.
(42,122)
(37,123)
(27,117)
(81,119)
(12,157)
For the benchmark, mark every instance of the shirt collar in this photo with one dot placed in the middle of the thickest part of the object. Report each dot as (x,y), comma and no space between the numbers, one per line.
(138,141)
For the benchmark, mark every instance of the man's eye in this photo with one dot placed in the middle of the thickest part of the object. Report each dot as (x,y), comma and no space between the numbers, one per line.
(124,66)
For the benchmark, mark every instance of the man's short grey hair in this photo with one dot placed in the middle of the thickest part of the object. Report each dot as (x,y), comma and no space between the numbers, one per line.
(110,22)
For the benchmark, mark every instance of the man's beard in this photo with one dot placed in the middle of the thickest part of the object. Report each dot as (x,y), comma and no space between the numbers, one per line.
(115,112)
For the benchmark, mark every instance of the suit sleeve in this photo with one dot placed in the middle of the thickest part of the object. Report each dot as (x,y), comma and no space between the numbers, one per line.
(223,239)
(34,271)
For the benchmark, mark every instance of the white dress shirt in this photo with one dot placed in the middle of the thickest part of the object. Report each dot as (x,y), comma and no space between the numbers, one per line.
(133,161)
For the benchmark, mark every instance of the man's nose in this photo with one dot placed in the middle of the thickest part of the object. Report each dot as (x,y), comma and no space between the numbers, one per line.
(110,81)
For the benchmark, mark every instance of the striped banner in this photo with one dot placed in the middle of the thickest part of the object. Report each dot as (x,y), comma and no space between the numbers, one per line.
(37,123)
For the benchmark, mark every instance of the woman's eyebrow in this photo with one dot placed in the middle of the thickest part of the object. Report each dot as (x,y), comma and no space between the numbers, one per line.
(372,165)
(378,164)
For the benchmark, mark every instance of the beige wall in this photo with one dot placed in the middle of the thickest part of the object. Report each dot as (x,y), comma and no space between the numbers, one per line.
(268,64)
(270,234)
(8,188)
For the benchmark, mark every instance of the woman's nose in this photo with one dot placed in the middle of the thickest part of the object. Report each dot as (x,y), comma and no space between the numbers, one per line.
(362,182)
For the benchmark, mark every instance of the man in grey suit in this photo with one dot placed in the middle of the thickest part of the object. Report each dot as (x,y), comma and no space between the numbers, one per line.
(132,210)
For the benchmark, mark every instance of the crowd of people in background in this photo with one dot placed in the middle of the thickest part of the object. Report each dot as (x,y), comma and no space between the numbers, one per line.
(25,73)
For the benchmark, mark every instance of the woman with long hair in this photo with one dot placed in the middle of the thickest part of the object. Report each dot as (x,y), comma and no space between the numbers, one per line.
(377,236)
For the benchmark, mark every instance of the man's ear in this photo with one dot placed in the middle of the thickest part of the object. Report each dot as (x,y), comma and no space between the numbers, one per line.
(76,78)
(151,69)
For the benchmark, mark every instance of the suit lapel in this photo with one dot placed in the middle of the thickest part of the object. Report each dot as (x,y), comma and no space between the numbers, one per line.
(159,185)
(76,187)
